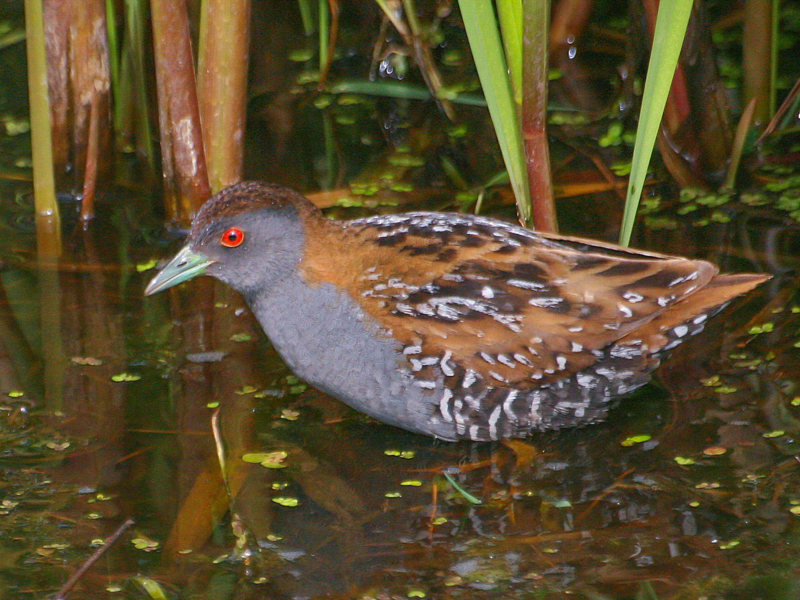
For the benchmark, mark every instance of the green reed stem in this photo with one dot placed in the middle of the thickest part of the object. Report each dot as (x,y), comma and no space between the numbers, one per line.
(535,64)
(44,188)
(135,19)
(324,33)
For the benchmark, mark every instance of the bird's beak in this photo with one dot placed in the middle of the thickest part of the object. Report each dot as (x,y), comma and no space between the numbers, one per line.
(186,265)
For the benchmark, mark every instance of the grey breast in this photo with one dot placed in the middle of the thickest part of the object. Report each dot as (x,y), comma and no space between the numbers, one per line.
(327,339)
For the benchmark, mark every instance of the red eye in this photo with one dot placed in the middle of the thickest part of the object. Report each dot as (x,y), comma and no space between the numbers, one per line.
(232,238)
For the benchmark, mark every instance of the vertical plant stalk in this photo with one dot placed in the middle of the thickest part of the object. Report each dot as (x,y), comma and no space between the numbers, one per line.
(324,36)
(509,13)
(742,128)
(48,222)
(115,66)
(757,57)
(44,189)
(534,113)
(677,107)
(90,172)
(327,37)
(56,24)
(774,47)
(90,78)
(673,16)
(307,16)
(332,173)
(487,52)
(172,204)
(135,18)
(222,87)
(54,360)
(183,157)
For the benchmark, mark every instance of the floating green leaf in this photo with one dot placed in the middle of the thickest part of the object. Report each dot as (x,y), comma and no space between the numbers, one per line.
(635,439)
(146,266)
(142,542)
(270,460)
(774,434)
(407,454)
(290,414)
(715,451)
(86,361)
(726,389)
(119,377)
(286,501)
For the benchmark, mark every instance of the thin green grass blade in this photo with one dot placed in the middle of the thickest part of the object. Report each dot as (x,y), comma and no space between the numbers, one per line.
(324,32)
(487,51)
(745,121)
(673,16)
(135,40)
(113,47)
(307,16)
(389,88)
(510,14)
(12,37)
(467,496)
(411,16)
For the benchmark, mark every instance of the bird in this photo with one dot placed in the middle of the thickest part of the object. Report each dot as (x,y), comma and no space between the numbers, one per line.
(455,326)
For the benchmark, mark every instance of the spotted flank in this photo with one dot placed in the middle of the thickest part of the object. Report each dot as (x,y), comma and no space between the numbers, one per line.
(481,406)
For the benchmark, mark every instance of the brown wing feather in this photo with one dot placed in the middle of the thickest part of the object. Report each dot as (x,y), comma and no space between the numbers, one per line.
(523,307)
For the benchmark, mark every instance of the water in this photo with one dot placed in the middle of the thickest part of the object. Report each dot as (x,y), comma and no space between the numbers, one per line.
(107,404)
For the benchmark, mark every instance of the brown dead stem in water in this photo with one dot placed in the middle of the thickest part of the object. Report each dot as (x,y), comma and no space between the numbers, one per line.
(90,175)
(107,543)
(78,75)
(182,152)
(222,87)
